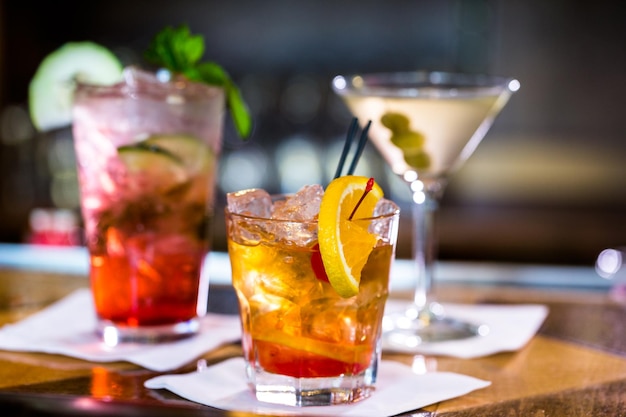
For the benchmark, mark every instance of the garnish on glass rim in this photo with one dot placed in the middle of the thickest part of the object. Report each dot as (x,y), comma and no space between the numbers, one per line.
(343,248)
(345,245)
(316,257)
(177,50)
(51,90)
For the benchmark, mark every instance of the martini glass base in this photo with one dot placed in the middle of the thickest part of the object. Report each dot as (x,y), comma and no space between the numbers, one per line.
(407,330)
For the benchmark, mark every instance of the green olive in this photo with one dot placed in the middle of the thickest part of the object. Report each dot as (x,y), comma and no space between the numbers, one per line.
(396,122)
(419,160)
(408,140)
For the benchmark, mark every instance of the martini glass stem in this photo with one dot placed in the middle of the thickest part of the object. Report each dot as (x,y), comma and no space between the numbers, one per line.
(425,320)
(425,201)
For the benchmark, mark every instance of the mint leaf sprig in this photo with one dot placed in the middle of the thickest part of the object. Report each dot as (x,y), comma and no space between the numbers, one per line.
(177,50)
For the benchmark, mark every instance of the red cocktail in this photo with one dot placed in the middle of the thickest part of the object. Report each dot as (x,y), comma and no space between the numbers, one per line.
(147,153)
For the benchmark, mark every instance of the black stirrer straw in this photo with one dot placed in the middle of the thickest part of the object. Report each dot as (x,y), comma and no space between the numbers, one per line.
(346,146)
(360,147)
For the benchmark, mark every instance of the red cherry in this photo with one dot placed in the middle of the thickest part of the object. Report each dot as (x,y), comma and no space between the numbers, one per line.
(317,265)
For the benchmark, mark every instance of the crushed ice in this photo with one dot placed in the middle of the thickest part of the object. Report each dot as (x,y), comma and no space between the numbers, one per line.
(295,216)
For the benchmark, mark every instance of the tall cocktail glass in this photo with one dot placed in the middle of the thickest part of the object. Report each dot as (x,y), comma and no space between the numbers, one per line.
(303,343)
(425,125)
(146,152)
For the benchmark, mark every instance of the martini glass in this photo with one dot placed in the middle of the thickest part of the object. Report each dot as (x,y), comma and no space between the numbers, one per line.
(425,125)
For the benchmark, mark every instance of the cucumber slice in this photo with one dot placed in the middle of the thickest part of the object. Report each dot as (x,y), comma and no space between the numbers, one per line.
(197,157)
(50,93)
(151,169)
(191,151)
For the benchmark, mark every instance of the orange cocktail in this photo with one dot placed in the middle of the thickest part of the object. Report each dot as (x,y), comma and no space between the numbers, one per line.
(308,331)
(299,334)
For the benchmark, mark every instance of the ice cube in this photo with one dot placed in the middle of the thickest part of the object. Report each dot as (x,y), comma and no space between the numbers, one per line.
(303,205)
(296,216)
(300,234)
(281,290)
(328,320)
(381,227)
(384,206)
(272,312)
(253,202)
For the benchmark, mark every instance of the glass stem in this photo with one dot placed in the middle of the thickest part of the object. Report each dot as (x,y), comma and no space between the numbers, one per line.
(425,201)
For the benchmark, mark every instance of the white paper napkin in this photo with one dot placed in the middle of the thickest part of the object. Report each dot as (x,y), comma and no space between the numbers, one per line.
(398,389)
(67,328)
(510,327)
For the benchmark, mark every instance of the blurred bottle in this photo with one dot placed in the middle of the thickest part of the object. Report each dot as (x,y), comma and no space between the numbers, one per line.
(57,227)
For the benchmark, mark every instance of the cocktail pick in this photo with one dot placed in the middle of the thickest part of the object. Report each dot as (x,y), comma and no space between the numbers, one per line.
(368,188)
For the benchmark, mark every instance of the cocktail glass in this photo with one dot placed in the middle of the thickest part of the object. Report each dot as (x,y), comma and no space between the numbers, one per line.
(146,152)
(303,343)
(425,125)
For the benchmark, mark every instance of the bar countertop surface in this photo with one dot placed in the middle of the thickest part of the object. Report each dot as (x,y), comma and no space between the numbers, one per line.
(574,366)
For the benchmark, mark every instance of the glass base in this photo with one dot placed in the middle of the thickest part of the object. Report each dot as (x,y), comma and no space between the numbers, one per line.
(409,329)
(303,392)
(113,334)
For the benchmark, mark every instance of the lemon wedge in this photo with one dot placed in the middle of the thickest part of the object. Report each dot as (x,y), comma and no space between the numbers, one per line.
(346,244)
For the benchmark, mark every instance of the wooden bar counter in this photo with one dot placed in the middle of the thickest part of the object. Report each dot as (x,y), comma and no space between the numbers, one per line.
(574,366)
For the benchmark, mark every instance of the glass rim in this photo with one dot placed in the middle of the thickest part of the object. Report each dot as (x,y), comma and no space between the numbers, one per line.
(423,83)
(395,212)
(192,91)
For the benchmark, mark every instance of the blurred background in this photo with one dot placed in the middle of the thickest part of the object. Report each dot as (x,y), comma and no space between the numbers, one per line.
(547,184)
